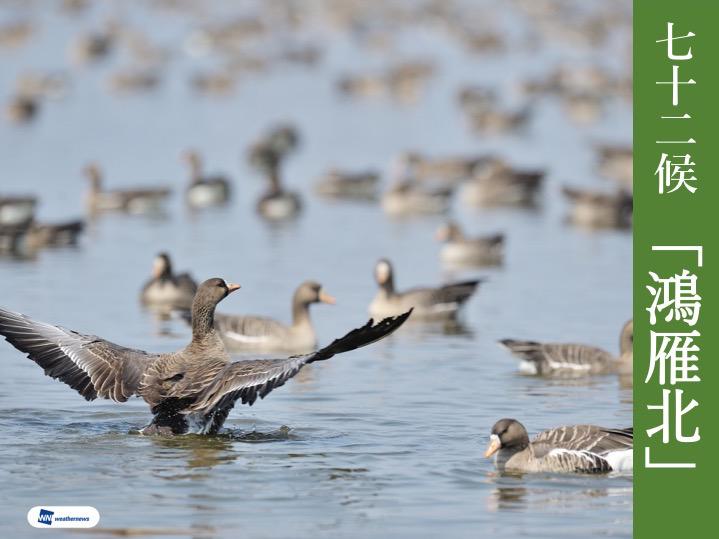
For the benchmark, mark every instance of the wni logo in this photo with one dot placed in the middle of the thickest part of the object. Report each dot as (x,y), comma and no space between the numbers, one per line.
(58,516)
(45,517)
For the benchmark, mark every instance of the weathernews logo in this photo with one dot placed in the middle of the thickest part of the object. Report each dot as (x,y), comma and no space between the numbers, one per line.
(63,517)
(45,517)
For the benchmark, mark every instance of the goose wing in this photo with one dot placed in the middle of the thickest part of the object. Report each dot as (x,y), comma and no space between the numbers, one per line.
(559,356)
(248,380)
(90,365)
(598,440)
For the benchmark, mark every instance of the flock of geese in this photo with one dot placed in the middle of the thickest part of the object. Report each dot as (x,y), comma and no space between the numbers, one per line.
(194,389)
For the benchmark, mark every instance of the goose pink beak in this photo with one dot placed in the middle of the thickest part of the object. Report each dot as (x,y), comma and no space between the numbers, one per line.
(231,287)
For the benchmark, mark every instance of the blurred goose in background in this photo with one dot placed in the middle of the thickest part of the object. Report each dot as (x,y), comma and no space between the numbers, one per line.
(142,200)
(267,155)
(617,163)
(24,241)
(573,360)
(17,210)
(167,289)
(441,302)
(495,183)
(132,80)
(407,197)
(575,448)
(596,210)
(95,46)
(188,391)
(204,191)
(459,250)
(445,170)
(498,121)
(338,184)
(268,335)
(22,108)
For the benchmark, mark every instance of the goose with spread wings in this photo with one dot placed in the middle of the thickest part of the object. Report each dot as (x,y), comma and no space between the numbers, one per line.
(574,448)
(189,391)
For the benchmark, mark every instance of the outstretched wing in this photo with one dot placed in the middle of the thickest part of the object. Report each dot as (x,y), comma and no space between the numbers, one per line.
(248,380)
(90,365)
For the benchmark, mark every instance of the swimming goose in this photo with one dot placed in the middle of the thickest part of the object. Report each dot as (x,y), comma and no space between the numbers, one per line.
(167,289)
(17,210)
(495,183)
(143,200)
(441,302)
(594,210)
(463,251)
(617,163)
(204,191)
(575,448)
(265,334)
(447,170)
(407,198)
(22,108)
(188,391)
(339,184)
(570,360)
(276,203)
(24,241)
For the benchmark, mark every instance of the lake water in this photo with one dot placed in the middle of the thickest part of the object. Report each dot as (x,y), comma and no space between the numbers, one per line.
(386,441)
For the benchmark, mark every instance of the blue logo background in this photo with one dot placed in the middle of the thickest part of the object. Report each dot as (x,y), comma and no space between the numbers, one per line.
(45,517)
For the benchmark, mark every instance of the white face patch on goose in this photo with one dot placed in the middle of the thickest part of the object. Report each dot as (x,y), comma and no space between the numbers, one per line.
(382,272)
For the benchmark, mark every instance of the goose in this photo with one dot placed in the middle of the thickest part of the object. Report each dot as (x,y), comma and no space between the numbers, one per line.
(493,120)
(268,335)
(143,200)
(595,210)
(339,184)
(572,360)
(441,302)
(22,108)
(495,183)
(276,203)
(188,391)
(17,210)
(463,251)
(407,197)
(575,448)
(448,170)
(24,241)
(617,163)
(166,289)
(204,191)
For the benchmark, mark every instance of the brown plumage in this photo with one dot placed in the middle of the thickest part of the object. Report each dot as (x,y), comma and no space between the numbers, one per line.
(442,302)
(573,360)
(575,448)
(191,390)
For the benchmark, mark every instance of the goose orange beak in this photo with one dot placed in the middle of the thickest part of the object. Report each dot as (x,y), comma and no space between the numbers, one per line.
(231,287)
(326,298)
(493,447)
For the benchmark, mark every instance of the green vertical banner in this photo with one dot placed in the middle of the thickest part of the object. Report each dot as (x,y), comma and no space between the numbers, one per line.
(676,258)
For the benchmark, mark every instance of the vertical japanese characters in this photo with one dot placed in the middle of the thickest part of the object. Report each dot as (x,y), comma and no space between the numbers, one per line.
(675,305)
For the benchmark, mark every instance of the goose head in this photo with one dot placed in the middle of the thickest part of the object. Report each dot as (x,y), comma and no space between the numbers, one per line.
(507,434)
(94,175)
(193,160)
(384,275)
(208,295)
(312,292)
(626,338)
(162,266)
(450,231)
